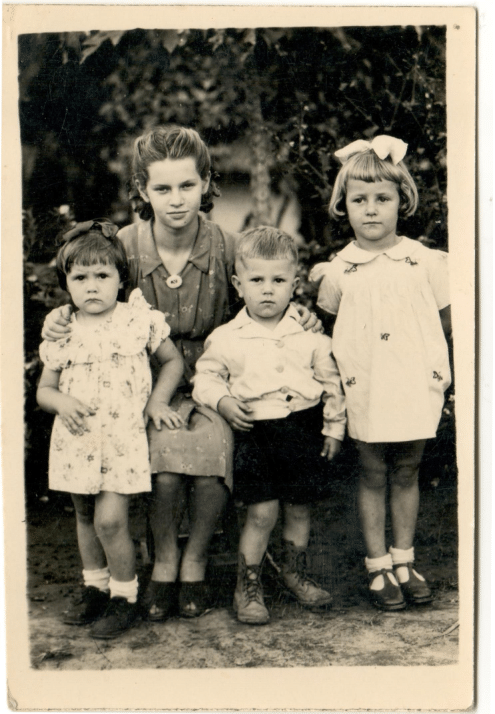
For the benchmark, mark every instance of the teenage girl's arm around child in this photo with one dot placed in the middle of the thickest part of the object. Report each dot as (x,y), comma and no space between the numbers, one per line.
(72,411)
(172,369)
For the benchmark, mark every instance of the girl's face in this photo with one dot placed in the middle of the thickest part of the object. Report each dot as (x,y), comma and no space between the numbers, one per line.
(94,288)
(174,190)
(373,210)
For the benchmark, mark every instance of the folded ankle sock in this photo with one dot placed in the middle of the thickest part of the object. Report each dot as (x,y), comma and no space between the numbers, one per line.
(97,579)
(127,589)
(375,564)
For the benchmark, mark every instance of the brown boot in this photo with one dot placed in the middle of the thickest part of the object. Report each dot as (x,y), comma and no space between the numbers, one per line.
(306,591)
(248,596)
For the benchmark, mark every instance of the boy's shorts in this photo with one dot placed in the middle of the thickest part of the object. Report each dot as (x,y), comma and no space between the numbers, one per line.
(280,459)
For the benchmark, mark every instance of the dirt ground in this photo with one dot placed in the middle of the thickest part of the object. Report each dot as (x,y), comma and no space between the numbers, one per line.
(351,632)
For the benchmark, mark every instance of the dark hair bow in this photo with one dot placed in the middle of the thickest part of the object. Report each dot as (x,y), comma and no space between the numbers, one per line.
(108,229)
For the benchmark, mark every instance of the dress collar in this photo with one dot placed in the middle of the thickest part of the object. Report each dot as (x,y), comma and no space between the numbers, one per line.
(148,254)
(288,325)
(352,253)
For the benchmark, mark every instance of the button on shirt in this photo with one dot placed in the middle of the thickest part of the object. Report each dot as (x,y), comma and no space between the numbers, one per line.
(275,371)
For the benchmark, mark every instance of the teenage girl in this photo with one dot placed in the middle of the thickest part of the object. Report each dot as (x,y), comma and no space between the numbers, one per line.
(390,297)
(183,265)
(97,380)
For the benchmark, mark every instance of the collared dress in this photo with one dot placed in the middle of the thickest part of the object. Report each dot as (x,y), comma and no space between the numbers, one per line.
(202,302)
(107,367)
(388,338)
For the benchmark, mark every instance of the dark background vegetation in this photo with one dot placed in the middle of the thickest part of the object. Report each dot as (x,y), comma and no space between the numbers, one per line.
(273,104)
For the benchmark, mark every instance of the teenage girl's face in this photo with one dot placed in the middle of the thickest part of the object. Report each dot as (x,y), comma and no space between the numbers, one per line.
(94,288)
(373,210)
(174,190)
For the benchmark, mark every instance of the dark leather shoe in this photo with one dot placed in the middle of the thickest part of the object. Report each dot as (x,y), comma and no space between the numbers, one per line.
(88,607)
(390,597)
(415,590)
(160,601)
(119,617)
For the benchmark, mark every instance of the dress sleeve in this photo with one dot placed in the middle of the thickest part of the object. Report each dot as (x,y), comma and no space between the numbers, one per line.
(438,275)
(327,373)
(329,292)
(159,330)
(54,354)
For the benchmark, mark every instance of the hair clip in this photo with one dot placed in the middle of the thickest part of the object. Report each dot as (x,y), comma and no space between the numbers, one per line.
(108,229)
(382,145)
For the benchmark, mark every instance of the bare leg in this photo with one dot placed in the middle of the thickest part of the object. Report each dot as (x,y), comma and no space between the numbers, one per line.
(404,492)
(260,521)
(208,498)
(112,527)
(372,497)
(297,524)
(90,548)
(166,511)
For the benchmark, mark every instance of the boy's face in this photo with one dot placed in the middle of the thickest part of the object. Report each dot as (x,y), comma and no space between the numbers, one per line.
(266,286)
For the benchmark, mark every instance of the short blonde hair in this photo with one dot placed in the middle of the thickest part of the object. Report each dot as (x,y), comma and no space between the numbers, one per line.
(367,166)
(266,243)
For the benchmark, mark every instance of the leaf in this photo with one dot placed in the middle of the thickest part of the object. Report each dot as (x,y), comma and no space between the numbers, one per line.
(94,42)
(170,40)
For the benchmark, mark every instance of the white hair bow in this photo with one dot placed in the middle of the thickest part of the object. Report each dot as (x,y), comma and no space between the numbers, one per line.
(383,146)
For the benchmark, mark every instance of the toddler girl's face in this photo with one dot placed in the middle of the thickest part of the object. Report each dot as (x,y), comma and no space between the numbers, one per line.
(94,288)
(373,210)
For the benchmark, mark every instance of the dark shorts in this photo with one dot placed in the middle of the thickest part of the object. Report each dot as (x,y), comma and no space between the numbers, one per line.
(280,459)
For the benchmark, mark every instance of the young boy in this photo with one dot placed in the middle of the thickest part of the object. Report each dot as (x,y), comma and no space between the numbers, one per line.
(267,376)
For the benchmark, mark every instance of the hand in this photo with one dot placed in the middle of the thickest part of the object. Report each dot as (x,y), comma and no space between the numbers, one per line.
(331,447)
(73,413)
(308,319)
(56,323)
(158,411)
(236,413)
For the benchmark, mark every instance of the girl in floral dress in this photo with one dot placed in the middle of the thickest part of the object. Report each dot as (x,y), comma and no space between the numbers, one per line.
(97,380)
(391,300)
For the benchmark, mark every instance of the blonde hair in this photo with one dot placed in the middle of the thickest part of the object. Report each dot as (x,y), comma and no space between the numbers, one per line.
(266,243)
(367,166)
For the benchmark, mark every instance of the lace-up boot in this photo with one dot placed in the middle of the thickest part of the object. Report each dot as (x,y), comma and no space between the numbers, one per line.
(305,590)
(248,596)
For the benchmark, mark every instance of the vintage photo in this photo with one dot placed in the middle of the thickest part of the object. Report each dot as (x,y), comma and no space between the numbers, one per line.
(243,271)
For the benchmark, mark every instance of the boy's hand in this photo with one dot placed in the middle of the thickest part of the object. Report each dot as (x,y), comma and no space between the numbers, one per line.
(56,323)
(158,411)
(236,413)
(308,319)
(331,447)
(72,412)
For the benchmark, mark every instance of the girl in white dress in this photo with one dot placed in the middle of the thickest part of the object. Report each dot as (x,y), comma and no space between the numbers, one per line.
(390,298)
(97,380)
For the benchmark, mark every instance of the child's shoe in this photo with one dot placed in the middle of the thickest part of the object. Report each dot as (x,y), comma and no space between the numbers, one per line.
(305,590)
(88,607)
(390,596)
(159,601)
(119,617)
(248,596)
(415,588)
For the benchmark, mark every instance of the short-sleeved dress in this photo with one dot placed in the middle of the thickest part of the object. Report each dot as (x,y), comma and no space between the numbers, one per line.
(106,367)
(388,339)
(193,309)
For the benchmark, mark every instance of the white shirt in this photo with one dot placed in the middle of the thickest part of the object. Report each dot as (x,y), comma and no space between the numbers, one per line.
(275,371)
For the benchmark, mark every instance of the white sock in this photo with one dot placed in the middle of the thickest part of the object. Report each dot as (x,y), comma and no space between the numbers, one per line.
(403,556)
(97,579)
(375,564)
(127,589)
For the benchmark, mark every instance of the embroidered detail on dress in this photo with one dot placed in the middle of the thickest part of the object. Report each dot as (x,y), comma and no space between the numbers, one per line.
(352,269)
(437,375)
(385,336)
(351,381)
(411,262)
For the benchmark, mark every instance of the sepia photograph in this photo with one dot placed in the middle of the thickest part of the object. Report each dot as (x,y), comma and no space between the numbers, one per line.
(244,351)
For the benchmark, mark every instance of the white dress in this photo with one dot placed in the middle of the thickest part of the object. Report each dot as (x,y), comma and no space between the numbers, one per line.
(107,368)
(388,339)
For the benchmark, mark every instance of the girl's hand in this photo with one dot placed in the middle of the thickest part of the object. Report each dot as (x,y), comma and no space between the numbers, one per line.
(73,413)
(56,323)
(158,411)
(331,447)
(236,413)
(308,319)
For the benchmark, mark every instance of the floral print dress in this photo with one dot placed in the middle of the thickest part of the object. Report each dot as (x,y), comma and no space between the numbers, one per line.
(107,368)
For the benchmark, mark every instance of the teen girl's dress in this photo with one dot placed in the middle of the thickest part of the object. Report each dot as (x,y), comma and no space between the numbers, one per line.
(107,368)
(388,339)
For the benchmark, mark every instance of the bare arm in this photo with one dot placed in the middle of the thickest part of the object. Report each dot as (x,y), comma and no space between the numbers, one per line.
(71,411)
(172,369)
